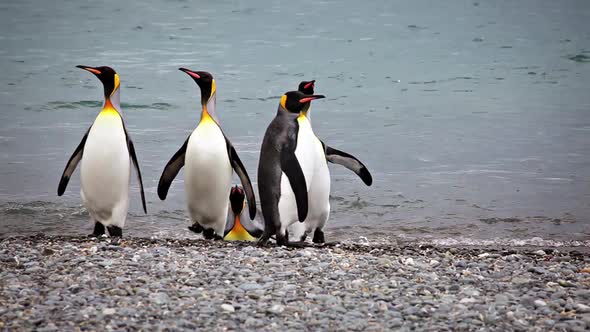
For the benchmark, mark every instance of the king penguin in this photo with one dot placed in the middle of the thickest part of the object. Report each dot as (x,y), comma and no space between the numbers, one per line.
(239,227)
(209,157)
(319,192)
(106,152)
(285,167)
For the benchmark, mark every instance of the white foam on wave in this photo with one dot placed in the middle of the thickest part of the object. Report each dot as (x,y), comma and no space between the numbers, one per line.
(472,242)
(529,242)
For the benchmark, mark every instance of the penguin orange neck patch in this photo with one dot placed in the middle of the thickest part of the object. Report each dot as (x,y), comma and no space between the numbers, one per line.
(206,117)
(239,233)
(109,109)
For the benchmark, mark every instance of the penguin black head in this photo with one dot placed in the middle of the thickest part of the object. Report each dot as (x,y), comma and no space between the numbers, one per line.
(108,77)
(205,82)
(296,101)
(307,87)
(236,198)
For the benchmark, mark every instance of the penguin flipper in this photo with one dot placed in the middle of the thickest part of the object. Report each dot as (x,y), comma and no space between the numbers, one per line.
(255,232)
(252,226)
(349,161)
(71,165)
(131,149)
(291,167)
(171,170)
(239,168)
(229,222)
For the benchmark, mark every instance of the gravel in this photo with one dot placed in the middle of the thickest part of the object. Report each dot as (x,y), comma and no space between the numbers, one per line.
(70,283)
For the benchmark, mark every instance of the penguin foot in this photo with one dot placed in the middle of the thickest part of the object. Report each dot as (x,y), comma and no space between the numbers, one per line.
(282,240)
(195,228)
(115,231)
(263,240)
(318,236)
(262,244)
(326,244)
(299,244)
(98,230)
(210,234)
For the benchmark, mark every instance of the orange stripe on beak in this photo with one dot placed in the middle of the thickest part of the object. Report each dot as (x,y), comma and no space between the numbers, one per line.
(94,71)
(308,99)
(191,73)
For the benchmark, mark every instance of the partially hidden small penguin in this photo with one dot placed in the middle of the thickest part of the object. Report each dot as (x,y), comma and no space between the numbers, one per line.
(209,157)
(285,167)
(319,193)
(239,226)
(106,153)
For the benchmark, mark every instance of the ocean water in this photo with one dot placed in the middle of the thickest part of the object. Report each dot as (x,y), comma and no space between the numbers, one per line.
(473,117)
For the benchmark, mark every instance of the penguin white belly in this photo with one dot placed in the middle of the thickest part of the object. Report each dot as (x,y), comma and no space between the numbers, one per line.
(306,157)
(208,175)
(319,193)
(319,196)
(306,150)
(287,204)
(105,170)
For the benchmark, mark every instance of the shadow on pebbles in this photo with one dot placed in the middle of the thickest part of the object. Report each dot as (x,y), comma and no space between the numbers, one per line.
(69,283)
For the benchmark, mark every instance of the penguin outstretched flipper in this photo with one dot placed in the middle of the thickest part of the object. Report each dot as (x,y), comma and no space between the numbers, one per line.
(171,170)
(349,161)
(291,167)
(71,165)
(131,149)
(239,168)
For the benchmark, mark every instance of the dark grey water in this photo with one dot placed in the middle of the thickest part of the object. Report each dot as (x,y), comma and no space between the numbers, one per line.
(474,117)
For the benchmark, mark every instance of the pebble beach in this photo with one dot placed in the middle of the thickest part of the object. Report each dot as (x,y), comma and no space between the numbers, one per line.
(60,283)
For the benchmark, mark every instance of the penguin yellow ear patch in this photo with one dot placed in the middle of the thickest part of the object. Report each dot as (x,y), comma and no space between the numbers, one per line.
(284,101)
(213,88)
(117,82)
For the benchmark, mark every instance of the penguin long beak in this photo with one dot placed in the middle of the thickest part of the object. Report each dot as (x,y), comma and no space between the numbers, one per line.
(190,73)
(310,84)
(90,69)
(310,98)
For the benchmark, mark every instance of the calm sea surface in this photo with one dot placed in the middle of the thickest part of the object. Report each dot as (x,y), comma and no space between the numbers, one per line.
(473,117)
